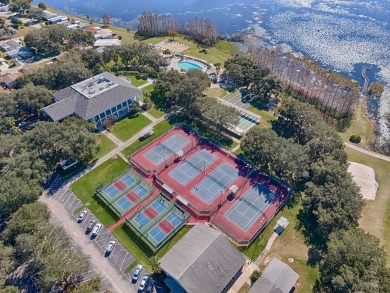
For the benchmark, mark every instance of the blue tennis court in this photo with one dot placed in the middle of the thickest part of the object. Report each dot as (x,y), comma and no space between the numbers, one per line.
(217,181)
(166,149)
(157,234)
(140,190)
(192,167)
(251,206)
(127,179)
(111,191)
(159,205)
(174,219)
(124,203)
(141,219)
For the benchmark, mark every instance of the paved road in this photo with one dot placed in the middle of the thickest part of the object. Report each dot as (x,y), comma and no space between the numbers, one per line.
(110,267)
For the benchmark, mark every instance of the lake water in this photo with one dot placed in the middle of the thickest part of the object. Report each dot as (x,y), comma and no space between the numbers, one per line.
(340,34)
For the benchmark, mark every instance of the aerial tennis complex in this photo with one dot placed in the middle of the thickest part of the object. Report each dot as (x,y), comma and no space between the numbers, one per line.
(199,181)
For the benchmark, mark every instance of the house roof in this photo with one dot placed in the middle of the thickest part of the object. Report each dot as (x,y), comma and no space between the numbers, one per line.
(204,260)
(10,78)
(277,277)
(107,42)
(91,97)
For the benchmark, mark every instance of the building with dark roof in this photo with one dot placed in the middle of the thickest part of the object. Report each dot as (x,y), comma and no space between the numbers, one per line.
(94,99)
(277,277)
(204,261)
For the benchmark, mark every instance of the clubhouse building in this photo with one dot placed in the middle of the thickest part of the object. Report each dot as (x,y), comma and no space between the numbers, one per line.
(95,99)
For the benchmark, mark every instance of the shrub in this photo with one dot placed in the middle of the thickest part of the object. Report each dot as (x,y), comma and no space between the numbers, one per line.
(355,138)
(255,275)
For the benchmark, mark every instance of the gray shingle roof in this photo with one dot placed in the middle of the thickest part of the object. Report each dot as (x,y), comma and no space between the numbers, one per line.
(204,260)
(277,277)
(69,101)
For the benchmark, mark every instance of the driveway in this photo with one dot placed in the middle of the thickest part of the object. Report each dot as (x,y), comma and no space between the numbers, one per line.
(64,207)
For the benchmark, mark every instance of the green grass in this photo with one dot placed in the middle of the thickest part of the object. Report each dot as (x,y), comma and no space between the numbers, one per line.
(84,188)
(129,126)
(217,54)
(158,130)
(215,92)
(130,267)
(136,81)
(132,244)
(105,146)
(156,112)
(245,288)
(266,116)
(227,47)
(149,88)
(291,245)
(376,213)
(179,235)
(360,125)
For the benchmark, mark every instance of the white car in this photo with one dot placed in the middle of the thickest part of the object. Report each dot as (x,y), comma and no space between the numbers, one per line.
(96,229)
(137,270)
(82,216)
(110,246)
(143,282)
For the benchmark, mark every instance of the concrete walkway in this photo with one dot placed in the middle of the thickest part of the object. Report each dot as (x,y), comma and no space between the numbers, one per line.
(367,152)
(150,81)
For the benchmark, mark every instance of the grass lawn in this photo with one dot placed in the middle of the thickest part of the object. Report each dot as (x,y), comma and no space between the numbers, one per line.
(106,145)
(291,244)
(158,130)
(84,188)
(23,31)
(149,88)
(361,125)
(376,214)
(215,92)
(136,81)
(266,116)
(132,244)
(129,126)
(179,235)
(227,47)
(156,112)
(218,54)
(127,36)
(245,288)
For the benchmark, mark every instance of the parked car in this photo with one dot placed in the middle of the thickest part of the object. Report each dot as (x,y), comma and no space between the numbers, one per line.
(137,270)
(110,246)
(22,124)
(82,215)
(90,225)
(96,229)
(143,282)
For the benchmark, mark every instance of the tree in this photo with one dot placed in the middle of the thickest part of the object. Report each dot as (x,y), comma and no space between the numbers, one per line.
(106,19)
(210,112)
(81,38)
(41,252)
(172,33)
(15,192)
(7,263)
(21,5)
(354,262)
(92,59)
(27,219)
(35,13)
(154,262)
(42,5)
(281,156)
(30,99)
(91,286)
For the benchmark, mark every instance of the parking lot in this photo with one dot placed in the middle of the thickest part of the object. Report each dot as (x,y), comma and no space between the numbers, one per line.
(119,258)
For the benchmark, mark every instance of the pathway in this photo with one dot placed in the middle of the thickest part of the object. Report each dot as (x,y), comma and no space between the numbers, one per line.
(366,80)
(367,152)
(150,81)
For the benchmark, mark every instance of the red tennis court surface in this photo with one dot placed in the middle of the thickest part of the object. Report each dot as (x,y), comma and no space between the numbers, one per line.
(120,185)
(208,181)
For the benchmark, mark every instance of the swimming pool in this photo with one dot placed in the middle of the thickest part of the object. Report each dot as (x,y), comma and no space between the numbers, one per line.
(187,65)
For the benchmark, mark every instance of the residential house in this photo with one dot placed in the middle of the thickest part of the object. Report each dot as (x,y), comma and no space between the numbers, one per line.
(104,34)
(10,45)
(107,43)
(94,99)
(8,80)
